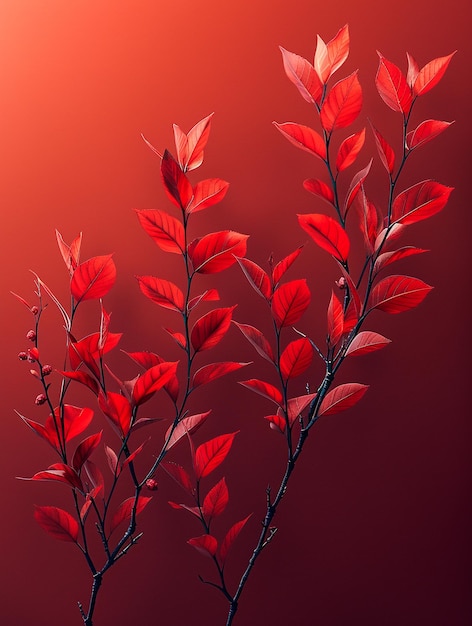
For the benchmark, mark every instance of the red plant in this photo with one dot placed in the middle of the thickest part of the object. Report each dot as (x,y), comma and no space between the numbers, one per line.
(290,352)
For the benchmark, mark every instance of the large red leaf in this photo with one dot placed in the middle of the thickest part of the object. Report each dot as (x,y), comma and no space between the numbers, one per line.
(392,86)
(257,339)
(206,544)
(212,371)
(341,398)
(282,266)
(302,74)
(85,449)
(57,523)
(349,149)
(152,380)
(296,358)
(210,329)
(176,184)
(212,453)
(215,252)
(335,320)
(303,137)
(366,341)
(118,410)
(290,301)
(320,189)
(185,426)
(396,294)
(124,511)
(326,233)
(206,193)
(166,231)
(431,74)
(257,277)
(386,153)
(390,257)
(162,292)
(230,538)
(263,389)
(215,501)
(329,57)
(190,146)
(93,279)
(424,132)
(420,202)
(343,104)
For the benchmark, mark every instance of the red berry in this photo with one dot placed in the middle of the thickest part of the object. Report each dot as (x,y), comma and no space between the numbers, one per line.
(31,335)
(22,356)
(34,310)
(46,370)
(151,484)
(41,399)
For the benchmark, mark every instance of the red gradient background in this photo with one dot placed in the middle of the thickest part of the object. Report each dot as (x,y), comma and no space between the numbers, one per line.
(375,529)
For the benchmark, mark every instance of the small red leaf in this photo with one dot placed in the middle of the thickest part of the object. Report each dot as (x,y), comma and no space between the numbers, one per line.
(430,75)
(355,186)
(166,231)
(206,544)
(206,193)
(208,373)
(162,292)
(215,501)
(125,509)
(420,202)
(320,189)
(326,233)
(276,422)
(85,449)
(296,406)
(216,252)
(303,137)
(396,294)
(112,460)
(290,301)
(129,459)
(296,358)
(71,253)
(190,147)
(152,380)
(341,398)
(335,320)
(329,57)
(93,279)
(179,474)
(118,410)
(207,296)
(256,277)
(210,329)
(349,149)
(263,389)
(366,341)
(424,132)
(283,265)
(176,184)
(57,523)
(212,453)
(413,69)
(390,257)
(179,338)
(257,339)
(185,426)
(386,153)
(343,104)
(302,74)
(194,510)
(392,86)
(230,538)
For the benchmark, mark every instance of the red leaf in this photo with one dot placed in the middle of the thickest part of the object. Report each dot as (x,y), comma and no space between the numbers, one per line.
(389,257)
(296,406)
(303,137)
(366,341)
(59,472)
(296,358)
(112,460)
(129,459)
(190,149)
(230,538)
(208,373)
(392,86)
(85,449)
(349,149)
(179,338)
(354,188)
(256,277)
(124,511)
(185,426)
(152,380)
(430,75)
(215,501)
(206,193)
(212,453)
(257,339)
(412,71)
(179,474)
(118,409)
(343,104)
(283,265)
(354,294)
(93,279)
(162,292)
(194,510)
(210,329)
(329,57)
(395,294)
(210,295)
(166,231)
(263,389)
(94,475)
(276,422)
(326,233)
(335,320)
(302,74)
(76,420)
(290,301)
(341,398)
(320,189)
(145,359)
(420,202)
(386,153)
(88,349)
(43,286)
(216,252)
(424,132)
(206,544)
(40,430)
(369,220)
(57,523)
(176,184)
(71,253)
